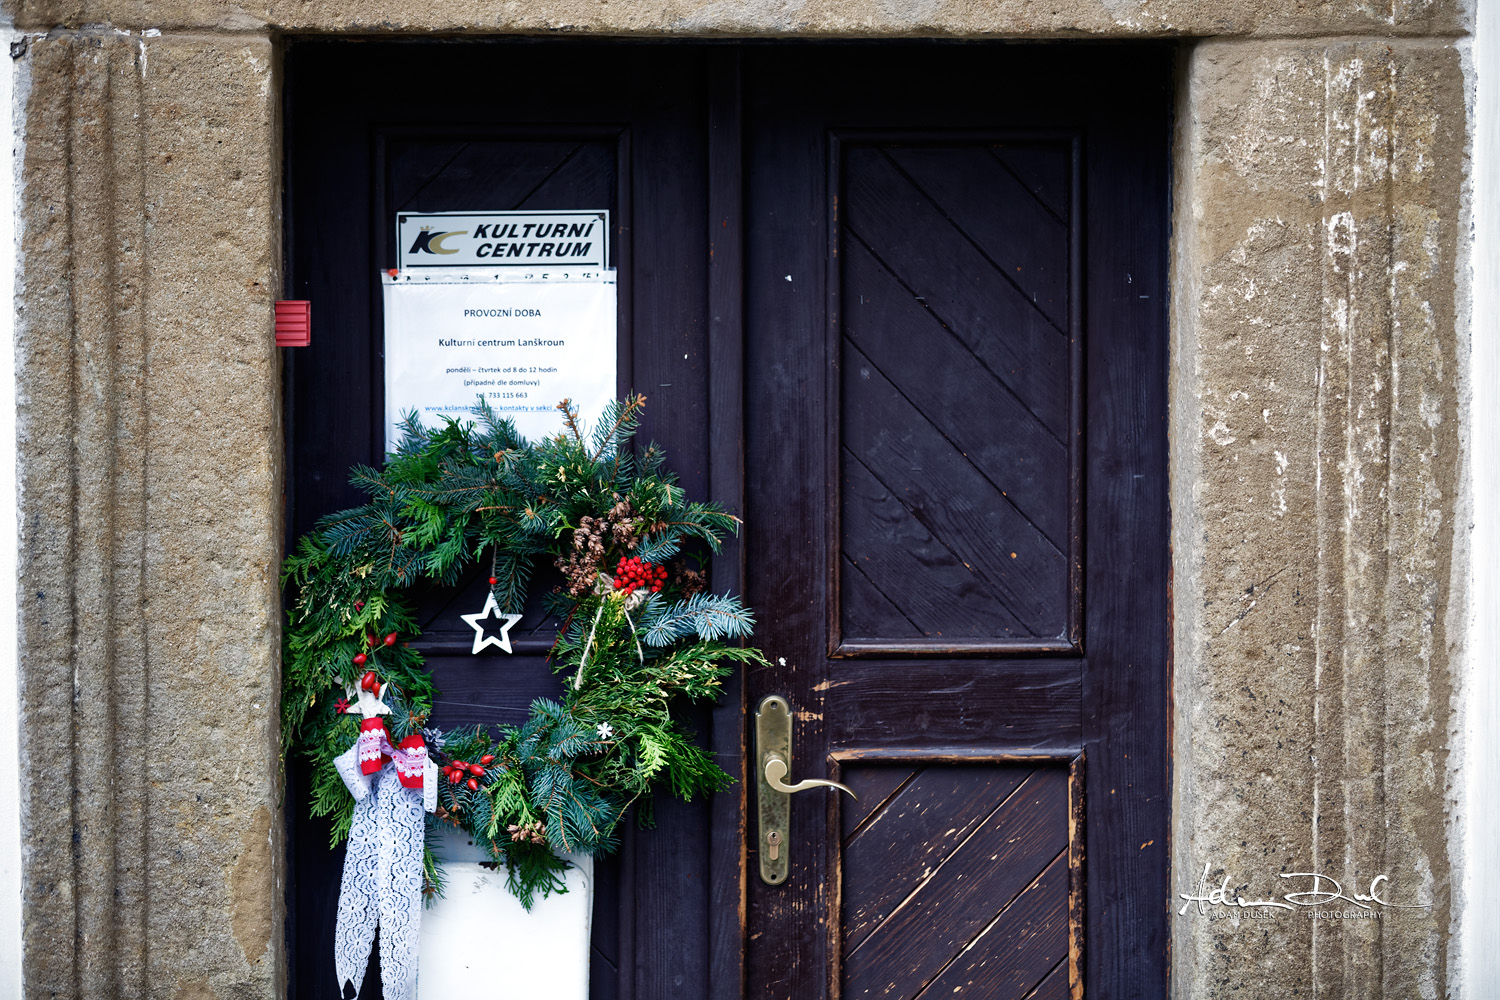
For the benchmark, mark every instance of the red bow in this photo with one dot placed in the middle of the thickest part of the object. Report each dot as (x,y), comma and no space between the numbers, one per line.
(375,749)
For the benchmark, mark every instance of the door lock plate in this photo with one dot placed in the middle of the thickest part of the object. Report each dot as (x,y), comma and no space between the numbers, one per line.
(773,766)
(773,740)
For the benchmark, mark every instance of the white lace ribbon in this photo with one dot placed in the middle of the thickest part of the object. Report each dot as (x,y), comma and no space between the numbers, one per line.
(382,884)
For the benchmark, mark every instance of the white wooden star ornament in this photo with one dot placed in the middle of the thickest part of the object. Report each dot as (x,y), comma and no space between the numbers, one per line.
(476,620)
(368,704)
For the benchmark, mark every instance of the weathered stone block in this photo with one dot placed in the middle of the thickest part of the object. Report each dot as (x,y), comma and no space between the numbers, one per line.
(806,18)
(1316,475)
(150,454)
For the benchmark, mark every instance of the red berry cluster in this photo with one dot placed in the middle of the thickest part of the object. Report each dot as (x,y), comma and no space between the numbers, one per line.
(632,573)
(468,773)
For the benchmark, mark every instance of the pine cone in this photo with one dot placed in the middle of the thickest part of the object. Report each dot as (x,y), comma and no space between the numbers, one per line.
(532,832)
(591,539)
(691,580)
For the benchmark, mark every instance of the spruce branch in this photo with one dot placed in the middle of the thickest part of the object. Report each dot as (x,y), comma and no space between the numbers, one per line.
(562,780)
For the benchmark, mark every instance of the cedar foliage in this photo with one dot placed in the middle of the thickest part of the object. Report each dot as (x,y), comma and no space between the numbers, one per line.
(446,499)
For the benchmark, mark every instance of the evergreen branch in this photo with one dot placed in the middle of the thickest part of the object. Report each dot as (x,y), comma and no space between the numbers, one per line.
(616,425)
(570,418)
(706,616)
(563,780)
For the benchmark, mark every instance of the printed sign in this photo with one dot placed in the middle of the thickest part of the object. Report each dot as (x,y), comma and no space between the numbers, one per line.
(523,341)
(503,239)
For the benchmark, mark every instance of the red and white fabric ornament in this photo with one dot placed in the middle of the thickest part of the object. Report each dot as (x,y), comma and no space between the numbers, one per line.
(392,785)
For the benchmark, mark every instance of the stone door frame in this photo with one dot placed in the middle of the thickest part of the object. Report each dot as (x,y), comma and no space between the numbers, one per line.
(1319,341)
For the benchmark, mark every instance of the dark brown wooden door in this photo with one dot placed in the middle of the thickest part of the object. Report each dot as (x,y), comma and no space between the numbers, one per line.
(955,491)
(903,305)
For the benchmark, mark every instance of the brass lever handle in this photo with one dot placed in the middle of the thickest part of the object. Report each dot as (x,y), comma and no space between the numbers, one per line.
(773,753)
(776,777)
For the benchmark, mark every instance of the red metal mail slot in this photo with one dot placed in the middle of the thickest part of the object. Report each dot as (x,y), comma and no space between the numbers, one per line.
(293,323)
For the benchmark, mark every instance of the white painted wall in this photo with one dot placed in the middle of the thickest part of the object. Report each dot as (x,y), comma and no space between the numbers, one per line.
(1480,749)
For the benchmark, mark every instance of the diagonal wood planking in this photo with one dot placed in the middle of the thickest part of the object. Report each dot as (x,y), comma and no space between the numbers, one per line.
(1005,555)
(884,322)
(1042,169)
(956,390)
(959,883)
(1015,952)
(907,558)
(1025,241)
(953,278)
(866,611)
(500,175)
(917,830)
(1054,987)
(874,786)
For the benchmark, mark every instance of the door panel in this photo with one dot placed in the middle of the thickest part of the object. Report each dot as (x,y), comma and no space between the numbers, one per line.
(872,704)
(950,271)
(959,883)
(955,360)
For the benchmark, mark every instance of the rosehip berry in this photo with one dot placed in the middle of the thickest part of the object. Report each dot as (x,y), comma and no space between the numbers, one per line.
(390,640)
(359,659)
(487,759)
(369,681)
(476,770)
(473,784)
(453,777)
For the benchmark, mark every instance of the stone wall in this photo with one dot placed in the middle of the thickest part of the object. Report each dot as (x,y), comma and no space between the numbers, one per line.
(1316,482)
(803,18)
(1317,427)
(151,505)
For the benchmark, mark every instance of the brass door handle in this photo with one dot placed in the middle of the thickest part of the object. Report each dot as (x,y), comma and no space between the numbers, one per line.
(776,778)
(773,753)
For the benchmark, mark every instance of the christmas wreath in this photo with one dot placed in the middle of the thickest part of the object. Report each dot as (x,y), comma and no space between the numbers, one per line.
(638,636)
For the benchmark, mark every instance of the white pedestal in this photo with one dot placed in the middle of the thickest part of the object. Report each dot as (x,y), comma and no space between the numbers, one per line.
(478,943)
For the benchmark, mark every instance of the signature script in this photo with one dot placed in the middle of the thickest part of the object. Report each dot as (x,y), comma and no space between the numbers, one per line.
(1325,890)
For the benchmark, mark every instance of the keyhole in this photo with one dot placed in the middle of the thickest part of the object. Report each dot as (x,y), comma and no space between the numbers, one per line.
(773,841)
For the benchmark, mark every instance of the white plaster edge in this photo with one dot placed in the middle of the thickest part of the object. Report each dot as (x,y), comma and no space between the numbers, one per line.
(11,97)
(1478,855)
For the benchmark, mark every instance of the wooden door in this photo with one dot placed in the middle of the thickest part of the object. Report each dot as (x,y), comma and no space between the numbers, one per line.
(903,305)
(955,452)
(374,129)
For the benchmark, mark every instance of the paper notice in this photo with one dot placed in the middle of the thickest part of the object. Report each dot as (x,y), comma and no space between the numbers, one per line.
(524,345)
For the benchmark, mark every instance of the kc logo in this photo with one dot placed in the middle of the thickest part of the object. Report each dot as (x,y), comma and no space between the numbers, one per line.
(429,242)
